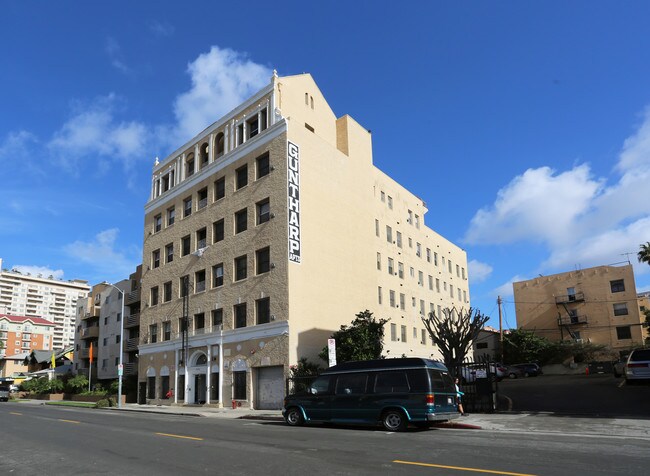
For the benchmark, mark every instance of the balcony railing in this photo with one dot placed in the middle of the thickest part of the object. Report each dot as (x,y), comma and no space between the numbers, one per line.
(133,296)
(572,320)
(90,332)
(130,368)
(566,298)
(132,321)
(131,344)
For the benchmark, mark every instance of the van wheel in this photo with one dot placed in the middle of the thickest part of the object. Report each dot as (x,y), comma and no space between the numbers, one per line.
(294,417)
(394,420)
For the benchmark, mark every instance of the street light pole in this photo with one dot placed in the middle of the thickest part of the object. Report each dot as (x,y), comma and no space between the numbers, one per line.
(120,368)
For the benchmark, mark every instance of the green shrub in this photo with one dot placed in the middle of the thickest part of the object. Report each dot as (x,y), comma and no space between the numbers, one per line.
(105,402)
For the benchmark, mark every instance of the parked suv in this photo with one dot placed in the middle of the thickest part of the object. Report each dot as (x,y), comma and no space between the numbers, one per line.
(637,366)
(390,392)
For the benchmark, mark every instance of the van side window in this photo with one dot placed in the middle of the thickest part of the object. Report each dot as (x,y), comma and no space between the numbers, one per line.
(320,385)
(419,380)
(351,384)
(441,381)
(391,382)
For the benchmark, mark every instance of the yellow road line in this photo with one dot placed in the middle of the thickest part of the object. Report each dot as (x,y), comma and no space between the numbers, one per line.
(180,436)
(15,413)
(460,468)
(69,421)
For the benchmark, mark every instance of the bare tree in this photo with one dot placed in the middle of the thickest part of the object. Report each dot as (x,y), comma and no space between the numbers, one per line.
(454,331)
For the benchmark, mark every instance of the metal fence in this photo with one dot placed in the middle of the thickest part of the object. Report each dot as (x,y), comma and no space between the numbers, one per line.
(479,383)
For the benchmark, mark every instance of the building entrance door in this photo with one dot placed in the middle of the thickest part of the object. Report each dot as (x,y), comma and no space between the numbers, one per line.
(199,389)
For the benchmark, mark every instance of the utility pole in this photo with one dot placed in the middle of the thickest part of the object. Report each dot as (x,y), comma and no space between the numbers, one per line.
(500,328)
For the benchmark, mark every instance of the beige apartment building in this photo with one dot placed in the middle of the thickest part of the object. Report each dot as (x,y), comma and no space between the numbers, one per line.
(269,230)
(597,305)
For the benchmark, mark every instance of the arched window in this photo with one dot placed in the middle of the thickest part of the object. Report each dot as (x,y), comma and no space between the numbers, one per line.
(189,165)
(219,144)
(204,152)
(202,360)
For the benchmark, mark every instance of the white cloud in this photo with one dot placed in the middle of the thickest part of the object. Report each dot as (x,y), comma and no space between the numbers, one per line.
(94,130)
(505,290)
(160,29)
(114,52)
(102,254)
(583,221)
(40,271)
(479,272)
(539,205)
(15,153)
(221,80)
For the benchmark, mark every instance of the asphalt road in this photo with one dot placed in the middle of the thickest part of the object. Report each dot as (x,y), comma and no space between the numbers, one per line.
(40,440)
(595,395)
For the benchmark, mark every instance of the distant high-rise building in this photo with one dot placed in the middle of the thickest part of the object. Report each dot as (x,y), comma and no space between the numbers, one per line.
(45,297)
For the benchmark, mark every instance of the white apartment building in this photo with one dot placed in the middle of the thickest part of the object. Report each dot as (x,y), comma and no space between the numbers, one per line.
(263,235)
(45,297)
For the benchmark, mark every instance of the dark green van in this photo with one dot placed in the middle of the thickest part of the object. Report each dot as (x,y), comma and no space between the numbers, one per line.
(390,392)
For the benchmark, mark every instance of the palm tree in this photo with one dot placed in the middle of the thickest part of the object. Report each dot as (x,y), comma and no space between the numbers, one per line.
(644,253)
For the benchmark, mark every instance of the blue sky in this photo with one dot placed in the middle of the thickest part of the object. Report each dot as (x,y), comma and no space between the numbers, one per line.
(525,126)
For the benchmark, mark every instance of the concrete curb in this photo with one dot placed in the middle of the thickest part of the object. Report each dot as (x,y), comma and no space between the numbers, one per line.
(459,426)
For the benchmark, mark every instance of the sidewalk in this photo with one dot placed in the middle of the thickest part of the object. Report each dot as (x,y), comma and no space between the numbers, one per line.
(551,423)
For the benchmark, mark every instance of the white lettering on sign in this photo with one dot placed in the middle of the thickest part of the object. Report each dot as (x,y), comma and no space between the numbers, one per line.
(293,200)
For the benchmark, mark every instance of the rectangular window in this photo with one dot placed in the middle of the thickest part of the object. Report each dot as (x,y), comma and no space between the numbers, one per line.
(155,259)
(219,188)
(241,268)
(428,255)
(391,297)
(389,234)
(450,266)
(463,272)
(169,253)
(218,231)
(199,281)
(167,291)
(410,218)
(263,260)
(623,332)
(263,310)
(157,223)
(620,309)
(464,296)
(154,296)
(187,207)
(437,285)
(377,227)
(399,239)
(183,286)
(402,301)
(253,126)
(151,387)
(379,261)
(263,167)
(417,222)
(153,333)
(420,278)
(430,283)
(263,211)
(202,196)
(199,322)
(241,220)
(403,332)
(617,286)
(217,275)
(379,295)
(217,317)
(393,332)
(383,196)
(422,306)
(171,216)
(457,271)
(418,250)
(400,270)
(435,258)
(240,315)
(390,202)
(186,241)
(241,177)
(201,238)
(391,267)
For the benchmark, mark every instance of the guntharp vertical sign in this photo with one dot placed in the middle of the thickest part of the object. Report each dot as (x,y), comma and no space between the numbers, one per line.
(293,200)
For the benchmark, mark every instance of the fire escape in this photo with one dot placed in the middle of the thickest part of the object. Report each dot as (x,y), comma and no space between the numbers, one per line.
(569,319)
